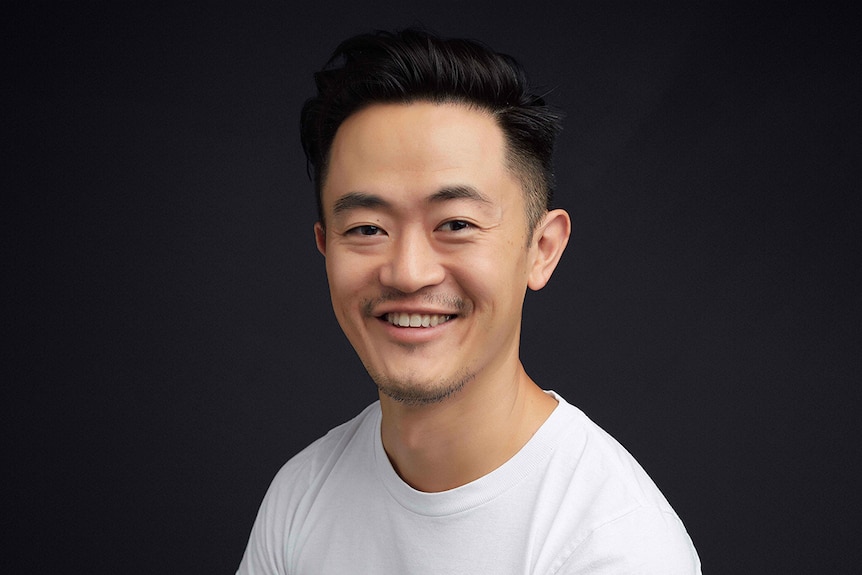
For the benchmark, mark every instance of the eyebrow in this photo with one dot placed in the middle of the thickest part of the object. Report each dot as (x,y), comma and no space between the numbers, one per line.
(356,200)
(458,193)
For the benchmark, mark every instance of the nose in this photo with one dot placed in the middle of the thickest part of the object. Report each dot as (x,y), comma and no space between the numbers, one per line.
(412,263)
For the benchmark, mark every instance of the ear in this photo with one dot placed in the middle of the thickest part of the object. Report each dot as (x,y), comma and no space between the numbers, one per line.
(549,242)
(320,238)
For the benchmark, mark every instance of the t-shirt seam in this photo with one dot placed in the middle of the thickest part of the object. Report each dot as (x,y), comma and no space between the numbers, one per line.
(568,551)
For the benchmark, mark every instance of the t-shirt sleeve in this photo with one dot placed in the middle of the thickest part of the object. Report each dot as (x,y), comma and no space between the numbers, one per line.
(645,541)
(264,554)
(268,545)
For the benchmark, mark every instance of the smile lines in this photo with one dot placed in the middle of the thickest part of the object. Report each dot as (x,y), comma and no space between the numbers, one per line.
(416,320)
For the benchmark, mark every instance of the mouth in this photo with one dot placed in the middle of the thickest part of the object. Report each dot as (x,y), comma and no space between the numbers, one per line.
(416,320)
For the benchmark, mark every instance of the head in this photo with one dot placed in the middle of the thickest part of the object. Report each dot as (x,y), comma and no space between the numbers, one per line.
(414,65)
(432,168)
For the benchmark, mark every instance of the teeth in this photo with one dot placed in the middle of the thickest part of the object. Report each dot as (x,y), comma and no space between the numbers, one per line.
(416,320)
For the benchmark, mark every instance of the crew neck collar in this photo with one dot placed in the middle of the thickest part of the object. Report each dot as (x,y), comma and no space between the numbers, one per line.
(482,490)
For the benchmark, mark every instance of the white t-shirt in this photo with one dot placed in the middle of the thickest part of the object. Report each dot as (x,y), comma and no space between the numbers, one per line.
(572,500)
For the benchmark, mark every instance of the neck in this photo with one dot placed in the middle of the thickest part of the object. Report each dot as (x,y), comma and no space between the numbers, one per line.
(445,445)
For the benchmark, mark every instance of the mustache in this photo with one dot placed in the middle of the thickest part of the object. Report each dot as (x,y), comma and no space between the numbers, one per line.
(446,301)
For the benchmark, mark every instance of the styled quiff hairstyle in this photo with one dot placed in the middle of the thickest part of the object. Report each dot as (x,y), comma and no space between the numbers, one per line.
(414,65)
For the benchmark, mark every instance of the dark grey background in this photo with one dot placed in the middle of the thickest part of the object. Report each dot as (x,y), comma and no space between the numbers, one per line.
(169,340)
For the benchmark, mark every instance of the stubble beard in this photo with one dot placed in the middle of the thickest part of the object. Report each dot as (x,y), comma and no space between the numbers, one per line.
(415,394)
(412,390)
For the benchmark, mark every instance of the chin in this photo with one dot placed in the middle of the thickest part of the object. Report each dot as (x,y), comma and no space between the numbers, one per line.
(416,394)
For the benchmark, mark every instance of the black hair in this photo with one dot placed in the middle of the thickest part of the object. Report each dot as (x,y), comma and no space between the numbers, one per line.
(415,65)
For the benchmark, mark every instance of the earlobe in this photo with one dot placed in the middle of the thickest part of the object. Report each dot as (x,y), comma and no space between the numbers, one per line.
(320,238)
(550,241)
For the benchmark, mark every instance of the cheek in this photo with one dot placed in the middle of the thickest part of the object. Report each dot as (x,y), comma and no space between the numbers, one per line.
(347,278)
(495,280)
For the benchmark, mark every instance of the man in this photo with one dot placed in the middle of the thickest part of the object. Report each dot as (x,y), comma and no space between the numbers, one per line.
(432,165)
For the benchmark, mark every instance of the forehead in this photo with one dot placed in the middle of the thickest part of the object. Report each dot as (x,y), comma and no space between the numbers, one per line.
(417,148)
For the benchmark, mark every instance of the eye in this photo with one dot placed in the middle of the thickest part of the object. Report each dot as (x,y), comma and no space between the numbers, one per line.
(455,225)
(365,230)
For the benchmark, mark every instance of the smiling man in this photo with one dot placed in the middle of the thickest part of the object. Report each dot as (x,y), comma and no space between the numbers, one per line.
(432,164)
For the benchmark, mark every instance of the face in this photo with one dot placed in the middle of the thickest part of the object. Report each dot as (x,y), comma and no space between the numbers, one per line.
(426,248)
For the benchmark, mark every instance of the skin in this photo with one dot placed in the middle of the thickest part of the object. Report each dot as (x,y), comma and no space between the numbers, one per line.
(424,218)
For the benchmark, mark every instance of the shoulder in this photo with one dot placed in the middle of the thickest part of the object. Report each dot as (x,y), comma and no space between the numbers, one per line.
(309,465)
(595,461)
(294,489)
(623,519)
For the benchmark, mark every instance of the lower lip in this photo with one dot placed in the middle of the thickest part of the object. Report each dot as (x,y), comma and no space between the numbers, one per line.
(415,334)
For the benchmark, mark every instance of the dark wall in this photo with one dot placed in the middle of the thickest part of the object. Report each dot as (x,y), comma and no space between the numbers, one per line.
(169,340)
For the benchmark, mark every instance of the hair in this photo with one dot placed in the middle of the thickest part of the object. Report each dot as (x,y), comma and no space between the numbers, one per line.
(415,65)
